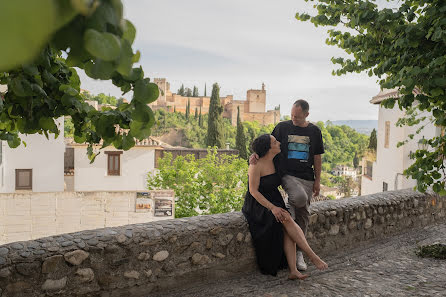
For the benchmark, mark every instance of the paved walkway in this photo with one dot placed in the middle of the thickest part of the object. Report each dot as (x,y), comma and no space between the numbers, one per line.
(384,268)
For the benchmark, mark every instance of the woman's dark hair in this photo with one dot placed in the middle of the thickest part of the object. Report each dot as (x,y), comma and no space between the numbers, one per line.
(261,145)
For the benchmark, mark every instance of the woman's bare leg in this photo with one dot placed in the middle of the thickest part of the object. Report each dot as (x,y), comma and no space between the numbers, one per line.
(289,247)
(295,233)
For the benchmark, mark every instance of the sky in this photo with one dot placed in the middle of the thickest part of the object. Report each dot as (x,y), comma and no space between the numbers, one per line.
(241,44)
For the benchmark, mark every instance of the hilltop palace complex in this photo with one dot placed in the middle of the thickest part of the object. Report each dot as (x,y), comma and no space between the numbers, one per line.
(251,109)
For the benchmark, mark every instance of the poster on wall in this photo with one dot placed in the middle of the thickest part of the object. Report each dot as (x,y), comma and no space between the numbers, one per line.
(163,207)
(144,202)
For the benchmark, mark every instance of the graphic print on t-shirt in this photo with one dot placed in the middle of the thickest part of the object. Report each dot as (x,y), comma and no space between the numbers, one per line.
(298,147)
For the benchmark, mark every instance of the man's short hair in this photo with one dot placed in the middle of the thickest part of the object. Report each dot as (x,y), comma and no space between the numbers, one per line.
(303,104)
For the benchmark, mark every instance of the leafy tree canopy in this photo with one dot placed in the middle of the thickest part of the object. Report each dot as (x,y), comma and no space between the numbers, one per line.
(405,48)
(43,85)
(214,184)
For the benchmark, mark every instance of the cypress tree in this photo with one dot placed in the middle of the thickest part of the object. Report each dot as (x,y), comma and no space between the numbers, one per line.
(373,140)
(174,109)
(204,89)
(188,92)
(181,90)
(188,109)
(240,139)
(195,92)
(200,119)
(196,114)
(355,160)
(215,135)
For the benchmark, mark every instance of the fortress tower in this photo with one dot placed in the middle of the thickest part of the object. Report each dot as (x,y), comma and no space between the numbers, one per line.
(256,100)
(164,87)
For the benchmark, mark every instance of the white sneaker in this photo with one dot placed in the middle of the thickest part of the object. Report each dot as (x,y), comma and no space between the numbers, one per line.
(301,265)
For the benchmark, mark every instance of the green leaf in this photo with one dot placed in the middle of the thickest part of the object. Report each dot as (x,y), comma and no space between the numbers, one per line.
(21,87)
(15,142)
(25,26)
(49,78)
(47,123)
(67,89)
(79,139)
(117,142)
(127,142)
(104,18)
(136,57)
(31,69)
(129,31)
(135,74)
(142,113)
(139,130)
(125,61)
(38,90)
(437,187)
(100,69)
(105,46)
(145,92)
(438,113)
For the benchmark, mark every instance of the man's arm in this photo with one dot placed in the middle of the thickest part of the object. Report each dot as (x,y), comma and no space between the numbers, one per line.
(317,174)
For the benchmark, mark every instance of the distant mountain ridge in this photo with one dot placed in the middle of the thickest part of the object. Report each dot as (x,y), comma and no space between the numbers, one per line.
(361,126)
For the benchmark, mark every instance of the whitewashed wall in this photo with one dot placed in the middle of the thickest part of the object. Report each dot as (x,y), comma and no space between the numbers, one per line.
(34,215)
(44,156)
(135,164)
(392,161)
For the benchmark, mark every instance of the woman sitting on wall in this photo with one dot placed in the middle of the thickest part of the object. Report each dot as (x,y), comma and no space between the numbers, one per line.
(274,232)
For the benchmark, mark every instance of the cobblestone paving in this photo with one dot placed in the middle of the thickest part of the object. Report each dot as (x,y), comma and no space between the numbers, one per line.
(384,268)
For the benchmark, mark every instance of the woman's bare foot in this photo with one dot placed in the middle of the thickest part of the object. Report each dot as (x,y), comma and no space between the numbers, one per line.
(321,265)
(297,275)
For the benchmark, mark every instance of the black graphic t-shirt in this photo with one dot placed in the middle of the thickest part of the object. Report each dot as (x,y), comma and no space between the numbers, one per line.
(298,146)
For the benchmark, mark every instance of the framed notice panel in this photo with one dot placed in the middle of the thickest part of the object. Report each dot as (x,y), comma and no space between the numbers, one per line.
(144,202)
(161,203)
(163,208)
(164,203)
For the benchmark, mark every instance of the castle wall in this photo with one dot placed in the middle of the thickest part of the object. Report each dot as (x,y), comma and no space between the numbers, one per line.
(264,118)
(251,109)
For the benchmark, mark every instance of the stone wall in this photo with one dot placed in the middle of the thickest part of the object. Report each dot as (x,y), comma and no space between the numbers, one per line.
(135,260)
(26,216)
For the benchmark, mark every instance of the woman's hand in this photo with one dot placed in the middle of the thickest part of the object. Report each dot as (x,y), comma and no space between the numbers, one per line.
(279,213)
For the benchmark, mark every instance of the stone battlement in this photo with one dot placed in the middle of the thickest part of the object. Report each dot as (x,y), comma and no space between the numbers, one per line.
(135,260)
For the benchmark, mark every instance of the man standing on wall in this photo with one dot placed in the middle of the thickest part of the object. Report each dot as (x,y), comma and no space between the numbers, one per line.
(299,164)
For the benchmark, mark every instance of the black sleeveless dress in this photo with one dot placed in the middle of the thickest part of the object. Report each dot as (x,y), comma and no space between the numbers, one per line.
(266,232)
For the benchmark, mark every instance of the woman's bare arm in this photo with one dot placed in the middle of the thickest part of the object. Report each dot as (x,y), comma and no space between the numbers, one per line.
(254,182)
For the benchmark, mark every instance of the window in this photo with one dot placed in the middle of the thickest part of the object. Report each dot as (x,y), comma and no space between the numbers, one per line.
(23,179)
(113,163)
(387,135)
(385,186)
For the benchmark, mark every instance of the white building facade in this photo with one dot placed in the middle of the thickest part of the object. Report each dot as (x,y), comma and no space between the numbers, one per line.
(343,170)
(386,173)
(36,167)
(112,170)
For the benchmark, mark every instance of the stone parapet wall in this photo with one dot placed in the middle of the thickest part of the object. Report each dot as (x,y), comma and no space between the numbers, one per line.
(135,260)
